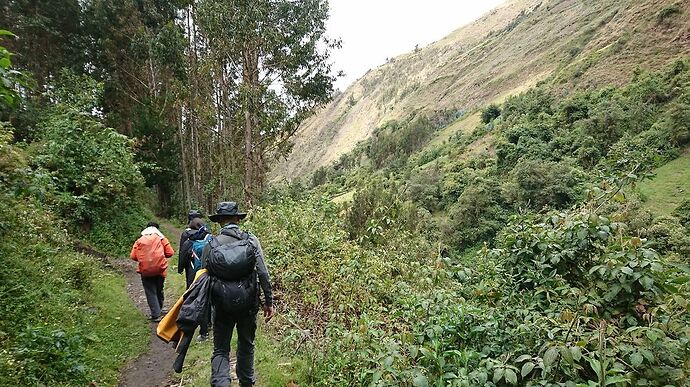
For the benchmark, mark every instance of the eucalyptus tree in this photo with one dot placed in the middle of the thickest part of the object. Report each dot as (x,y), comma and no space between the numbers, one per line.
(137,48)
(50,35)
(276,57)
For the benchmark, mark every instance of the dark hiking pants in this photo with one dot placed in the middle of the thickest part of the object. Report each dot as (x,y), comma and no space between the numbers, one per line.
(223,325)
(153,288)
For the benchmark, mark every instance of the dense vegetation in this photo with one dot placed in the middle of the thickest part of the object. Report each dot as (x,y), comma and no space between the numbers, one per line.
(530,261)
(535,152)
(64,313)
(519,253)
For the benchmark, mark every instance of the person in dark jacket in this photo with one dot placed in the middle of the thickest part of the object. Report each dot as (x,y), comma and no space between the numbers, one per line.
(228,216)
(186,258)
(182,263)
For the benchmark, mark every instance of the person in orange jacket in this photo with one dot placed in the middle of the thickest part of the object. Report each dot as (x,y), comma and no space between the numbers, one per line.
(152,251)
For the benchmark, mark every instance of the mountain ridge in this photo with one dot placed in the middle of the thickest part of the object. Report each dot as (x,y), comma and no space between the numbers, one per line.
(574,44)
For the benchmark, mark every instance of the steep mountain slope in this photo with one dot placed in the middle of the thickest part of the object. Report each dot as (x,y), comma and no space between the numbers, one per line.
(573,44)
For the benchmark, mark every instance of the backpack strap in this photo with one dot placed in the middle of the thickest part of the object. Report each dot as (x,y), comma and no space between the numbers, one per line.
(214,242)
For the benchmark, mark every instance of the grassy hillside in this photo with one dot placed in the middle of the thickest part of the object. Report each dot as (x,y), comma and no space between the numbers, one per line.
(571,44)
(670,186)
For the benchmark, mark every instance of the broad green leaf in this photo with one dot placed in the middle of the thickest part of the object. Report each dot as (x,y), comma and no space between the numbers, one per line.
(646,282)
(596,366)
(566,355)
(377,376)
(616,379)
(576,353)
(482,377)
(550,356)
(511,377)
(426,352)
(636,359)
(522,358)
(414,350)
(526,369)
(499,372)
(420,381)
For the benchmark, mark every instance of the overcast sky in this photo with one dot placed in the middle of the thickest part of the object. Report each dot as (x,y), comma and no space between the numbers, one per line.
(373,30)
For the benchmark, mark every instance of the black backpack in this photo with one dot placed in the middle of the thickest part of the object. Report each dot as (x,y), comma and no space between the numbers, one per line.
(233,266)
(231,261)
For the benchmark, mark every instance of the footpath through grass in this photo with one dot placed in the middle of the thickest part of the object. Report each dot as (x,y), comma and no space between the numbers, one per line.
(670,186)
(272,366)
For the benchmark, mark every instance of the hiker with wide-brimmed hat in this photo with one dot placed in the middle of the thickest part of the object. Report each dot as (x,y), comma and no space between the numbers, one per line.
(235,261)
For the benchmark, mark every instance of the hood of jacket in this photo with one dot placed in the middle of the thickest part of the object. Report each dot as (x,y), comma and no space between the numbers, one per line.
(152,230)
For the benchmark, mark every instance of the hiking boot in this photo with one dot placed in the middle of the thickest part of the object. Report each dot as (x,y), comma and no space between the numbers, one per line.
(156,319)
(202,338)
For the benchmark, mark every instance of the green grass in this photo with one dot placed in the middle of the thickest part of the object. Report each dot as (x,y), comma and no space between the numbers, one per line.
(347,197)
(272,365)
(671,185)
(123,332)
(61,310)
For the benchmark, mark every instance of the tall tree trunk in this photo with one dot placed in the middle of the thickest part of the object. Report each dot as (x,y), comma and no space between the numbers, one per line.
(250,84)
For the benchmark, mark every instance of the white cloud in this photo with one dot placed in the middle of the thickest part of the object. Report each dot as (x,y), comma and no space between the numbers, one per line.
(374,30)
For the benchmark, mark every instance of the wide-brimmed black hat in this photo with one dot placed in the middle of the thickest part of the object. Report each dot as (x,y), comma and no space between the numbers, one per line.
(227,209)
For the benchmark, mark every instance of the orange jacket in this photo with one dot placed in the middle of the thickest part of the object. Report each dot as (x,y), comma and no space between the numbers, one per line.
(151,251)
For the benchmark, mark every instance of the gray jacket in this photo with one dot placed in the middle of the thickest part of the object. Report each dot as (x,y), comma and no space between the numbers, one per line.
(231,233)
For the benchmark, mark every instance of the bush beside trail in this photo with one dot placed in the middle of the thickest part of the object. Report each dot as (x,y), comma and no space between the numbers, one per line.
(65,314)
(571,296)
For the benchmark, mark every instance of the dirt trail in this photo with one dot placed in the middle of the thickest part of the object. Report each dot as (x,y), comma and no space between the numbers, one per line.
(154,367)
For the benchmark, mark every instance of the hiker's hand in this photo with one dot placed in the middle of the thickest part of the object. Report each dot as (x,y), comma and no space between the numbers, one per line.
(269,311)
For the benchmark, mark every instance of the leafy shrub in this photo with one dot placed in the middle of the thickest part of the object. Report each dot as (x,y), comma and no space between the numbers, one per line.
(43,355)
(396,140)
(674,122)
(669,236)
(92,166)
(538,183)
(94,179)
(376,208)
(682,212)
(52,313)
(477,215)
(490,113)
(423,187)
